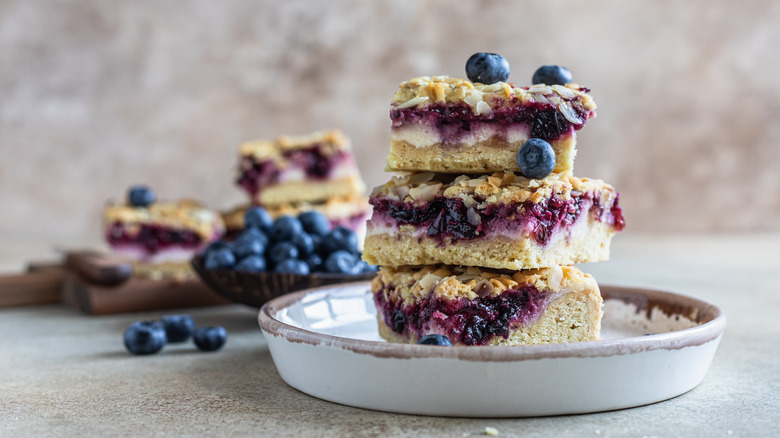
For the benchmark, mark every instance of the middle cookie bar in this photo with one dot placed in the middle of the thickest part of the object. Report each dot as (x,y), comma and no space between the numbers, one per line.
(500,221)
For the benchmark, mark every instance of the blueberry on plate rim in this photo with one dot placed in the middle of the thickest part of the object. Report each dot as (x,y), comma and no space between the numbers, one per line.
(145,337)
(210,338)
(141,196)
(536,158)
(487,68)
(435,339)
(178,328)
(552,75)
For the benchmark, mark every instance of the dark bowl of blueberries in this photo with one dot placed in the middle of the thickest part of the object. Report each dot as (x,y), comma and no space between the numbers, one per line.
(269,258)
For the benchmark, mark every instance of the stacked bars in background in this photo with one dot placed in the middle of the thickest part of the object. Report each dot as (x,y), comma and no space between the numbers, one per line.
(468,247)
(293,174)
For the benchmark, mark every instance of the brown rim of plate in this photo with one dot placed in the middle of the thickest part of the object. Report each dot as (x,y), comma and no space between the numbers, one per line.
(711,318)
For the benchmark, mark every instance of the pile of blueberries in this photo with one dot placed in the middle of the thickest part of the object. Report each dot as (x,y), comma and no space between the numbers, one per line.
(536,158)
(296,245)
(149,337)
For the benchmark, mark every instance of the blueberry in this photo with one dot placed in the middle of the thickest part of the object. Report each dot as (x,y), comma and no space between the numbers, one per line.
(258,217)
(252,234)
(281,252)
(253,263)
(210,338)
(178,328)
(248,244)
(140,196)
(293,266)
(317,242)
(552,75)
(487,68)
(304,243)
(314,261)
(341,238)
(536,158)
(435,339)
(145,337)
(342,262)
(365,268)
(315,222)
(285,227)
(221,258)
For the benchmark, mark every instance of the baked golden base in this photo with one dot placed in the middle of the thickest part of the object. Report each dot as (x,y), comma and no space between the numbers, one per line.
(309,191)
(491,155)
(587,243)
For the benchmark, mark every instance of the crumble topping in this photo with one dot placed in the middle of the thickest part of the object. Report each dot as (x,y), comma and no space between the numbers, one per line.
(329,142)
(454,282)
(183,215)
(484,99)
(500,187)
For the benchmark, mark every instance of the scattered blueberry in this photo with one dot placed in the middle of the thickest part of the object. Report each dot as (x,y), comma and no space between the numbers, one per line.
(293,266)
(552,75)
(314,261)
(435,339)
(250,243)
(219,259)
(141,196)
(304,243)
(284,228)
(281,252)
(210,338)
(258,217)
(145,337)
(315,223)
(178,328)
(536,158)
(487,68)
(340,238)
(253,263)
(342,262)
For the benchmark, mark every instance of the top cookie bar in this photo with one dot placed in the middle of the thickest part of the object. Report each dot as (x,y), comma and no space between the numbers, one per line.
(452,125)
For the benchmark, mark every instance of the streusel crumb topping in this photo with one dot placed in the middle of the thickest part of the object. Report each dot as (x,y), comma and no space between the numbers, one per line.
(484,99)
(502,188)
(329,143)
(454,282)
(182,215)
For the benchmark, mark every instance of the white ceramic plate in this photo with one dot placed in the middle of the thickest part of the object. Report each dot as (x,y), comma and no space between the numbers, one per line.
(325,343)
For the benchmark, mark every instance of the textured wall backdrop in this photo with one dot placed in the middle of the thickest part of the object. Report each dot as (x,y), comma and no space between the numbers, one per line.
(96,96)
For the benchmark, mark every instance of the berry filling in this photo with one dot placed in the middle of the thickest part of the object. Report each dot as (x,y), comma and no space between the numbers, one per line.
(465,321)
(449,218)
(312,161)
(453,122)
(152,238)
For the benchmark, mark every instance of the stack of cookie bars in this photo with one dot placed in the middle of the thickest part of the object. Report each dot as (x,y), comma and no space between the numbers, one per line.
(468,247)
(293,174)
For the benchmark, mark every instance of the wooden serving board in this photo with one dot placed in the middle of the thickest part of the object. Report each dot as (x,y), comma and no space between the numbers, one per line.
(41,284)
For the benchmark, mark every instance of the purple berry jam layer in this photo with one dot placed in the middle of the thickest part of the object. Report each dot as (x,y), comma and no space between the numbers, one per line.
(478,307)
(307,164)
(152,238)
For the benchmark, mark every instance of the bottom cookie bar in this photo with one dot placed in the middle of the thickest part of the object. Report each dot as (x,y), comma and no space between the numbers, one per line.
(474,306)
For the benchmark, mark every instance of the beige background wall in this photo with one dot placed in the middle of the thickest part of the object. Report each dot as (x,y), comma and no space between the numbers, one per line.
(96,96)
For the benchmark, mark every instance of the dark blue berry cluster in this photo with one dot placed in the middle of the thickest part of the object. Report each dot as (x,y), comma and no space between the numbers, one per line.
(149,337)
(298,245)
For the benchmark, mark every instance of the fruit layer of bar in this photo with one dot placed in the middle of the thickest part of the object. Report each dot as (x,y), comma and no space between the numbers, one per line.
(500,221)
(306,168)
(161,232)
(474,306)
(452,125)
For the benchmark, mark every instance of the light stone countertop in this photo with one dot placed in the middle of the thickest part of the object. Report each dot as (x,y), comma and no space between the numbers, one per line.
(65,374)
